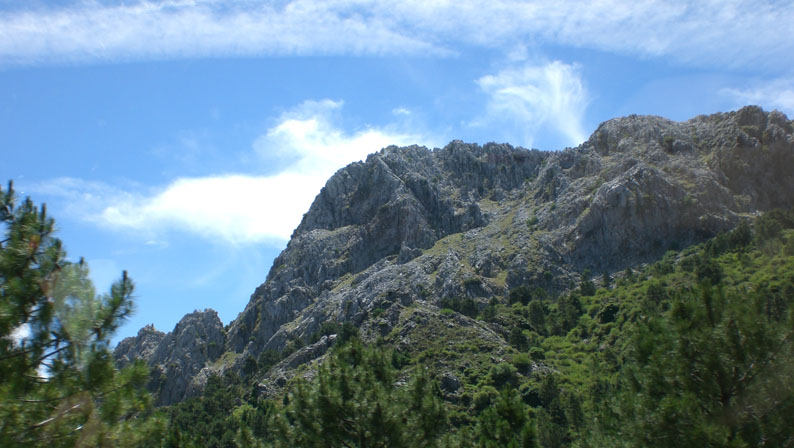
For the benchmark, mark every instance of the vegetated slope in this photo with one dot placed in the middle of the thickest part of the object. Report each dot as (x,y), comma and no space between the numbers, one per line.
(389,240)
(693,350)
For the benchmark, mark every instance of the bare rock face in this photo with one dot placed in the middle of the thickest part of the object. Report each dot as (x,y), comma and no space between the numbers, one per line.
(414,224)
(410,227)
(140,347)
(643,185)
(198,339)
(398,203)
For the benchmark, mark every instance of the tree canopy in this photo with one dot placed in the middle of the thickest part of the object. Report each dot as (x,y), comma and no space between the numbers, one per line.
(58,382)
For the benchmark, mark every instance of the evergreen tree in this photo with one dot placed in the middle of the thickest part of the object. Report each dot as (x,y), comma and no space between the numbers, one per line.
(211,421)
(569,308)
(606,280)
(517,339)
(537,315)
(520,294)
(586,285)
(714,371)
(506,424)
(552,418)
(58,383)
(353,401)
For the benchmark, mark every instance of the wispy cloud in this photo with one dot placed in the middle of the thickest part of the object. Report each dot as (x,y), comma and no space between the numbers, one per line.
(177,29)
(700,32)
(775,94)
(534,97)
(236,208)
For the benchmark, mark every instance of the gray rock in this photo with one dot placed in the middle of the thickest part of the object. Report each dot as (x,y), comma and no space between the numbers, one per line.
(198,339)
(412,226)
(449,382)
(140,347)
(278,377)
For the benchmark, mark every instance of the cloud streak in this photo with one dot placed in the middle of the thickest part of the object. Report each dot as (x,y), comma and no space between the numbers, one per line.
(699,32)
(235,208)
(534,97)
(184,29)
(776,94)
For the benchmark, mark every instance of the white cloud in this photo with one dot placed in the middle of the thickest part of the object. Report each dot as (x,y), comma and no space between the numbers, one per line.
(232,208)
(700,32)
(538,96)
(401,111)
(235,208)
(777,94)
(177,29)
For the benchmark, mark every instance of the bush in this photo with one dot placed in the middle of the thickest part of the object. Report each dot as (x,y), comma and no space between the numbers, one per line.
(489,312)
(586,286)
(708,270)
(769,225)
(656,292)
(537,354)
(503,374)
(537,315)
(268,358)
(517,339)
(520,294)
(250,366)
(466,306)
(484,397)
(327,328)
(522,361)
(346,333)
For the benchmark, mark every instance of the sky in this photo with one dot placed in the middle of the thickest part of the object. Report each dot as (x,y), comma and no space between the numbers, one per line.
(182,140)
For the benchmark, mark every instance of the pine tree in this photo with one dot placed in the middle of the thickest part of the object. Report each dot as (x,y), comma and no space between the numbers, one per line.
(353,401)
(537,315)
(506,423)
(714,371)
(586,285)
(58,383)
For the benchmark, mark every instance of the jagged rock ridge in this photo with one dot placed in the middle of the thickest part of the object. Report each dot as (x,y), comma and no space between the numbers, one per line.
(411,226)
(176,358)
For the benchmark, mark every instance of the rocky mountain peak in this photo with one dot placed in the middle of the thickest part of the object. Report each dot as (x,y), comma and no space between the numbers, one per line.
(412,227)
(140,347)
(177,357)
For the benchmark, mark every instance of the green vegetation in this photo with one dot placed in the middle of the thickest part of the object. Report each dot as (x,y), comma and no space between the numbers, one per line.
(463,305)
(354,401)
(694,350)
(58,383)
(215,418)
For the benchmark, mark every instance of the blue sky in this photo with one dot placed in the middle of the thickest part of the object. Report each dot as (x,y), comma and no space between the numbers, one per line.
(183,140)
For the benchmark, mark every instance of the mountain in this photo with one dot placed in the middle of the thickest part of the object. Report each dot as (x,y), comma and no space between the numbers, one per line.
(391,240)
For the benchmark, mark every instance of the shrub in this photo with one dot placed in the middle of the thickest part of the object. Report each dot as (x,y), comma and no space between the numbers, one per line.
(466,306)
(520,294)
(517,339)
(484,397)
(537,354)
(503,374)
(522,361)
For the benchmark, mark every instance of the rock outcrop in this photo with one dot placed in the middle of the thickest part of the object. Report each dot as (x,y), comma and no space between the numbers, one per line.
(140,347)
(410,227)
(177,357)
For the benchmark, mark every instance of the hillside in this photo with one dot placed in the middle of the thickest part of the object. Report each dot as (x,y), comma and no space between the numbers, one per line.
(410,246)
(693,350)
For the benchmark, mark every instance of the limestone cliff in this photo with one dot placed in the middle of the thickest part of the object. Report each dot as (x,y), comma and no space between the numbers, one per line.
(177,357)
(410,226)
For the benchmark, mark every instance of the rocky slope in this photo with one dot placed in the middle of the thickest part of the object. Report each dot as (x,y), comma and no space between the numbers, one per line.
(176,358)
(389,238)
